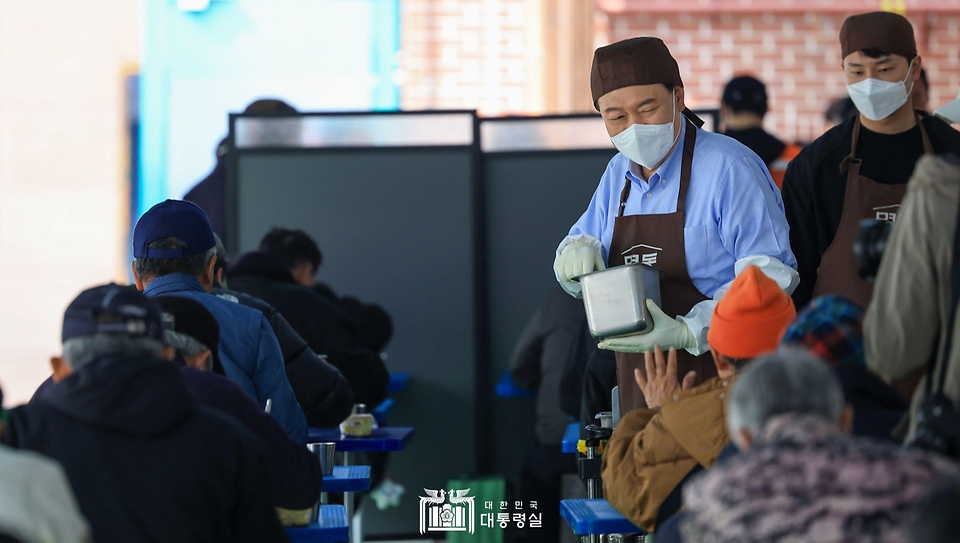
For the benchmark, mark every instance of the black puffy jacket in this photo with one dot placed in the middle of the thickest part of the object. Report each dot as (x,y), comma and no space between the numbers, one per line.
(316,319)
(322,391)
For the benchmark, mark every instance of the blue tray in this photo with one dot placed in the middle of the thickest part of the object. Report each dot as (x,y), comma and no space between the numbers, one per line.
(506,388)
(384,439)
(347,479)
(570,438)
(332,527)
(595,517)
(381,411)
(398,382)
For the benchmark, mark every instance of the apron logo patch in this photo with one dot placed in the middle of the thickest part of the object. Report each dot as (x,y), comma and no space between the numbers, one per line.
(887,213)
(647,258)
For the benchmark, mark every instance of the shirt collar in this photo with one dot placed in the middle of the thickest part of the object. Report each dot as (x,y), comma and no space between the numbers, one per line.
(668,171)
(173,282)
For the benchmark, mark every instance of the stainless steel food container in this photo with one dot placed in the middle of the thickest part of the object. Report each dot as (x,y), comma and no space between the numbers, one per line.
(614,299)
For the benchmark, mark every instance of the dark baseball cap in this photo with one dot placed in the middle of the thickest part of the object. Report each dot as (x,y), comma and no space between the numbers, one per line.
(746,93)
(112,309)
(177,219)
(190,318)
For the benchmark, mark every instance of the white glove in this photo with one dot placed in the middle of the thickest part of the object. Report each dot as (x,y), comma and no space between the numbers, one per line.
(575,260)
(667,332)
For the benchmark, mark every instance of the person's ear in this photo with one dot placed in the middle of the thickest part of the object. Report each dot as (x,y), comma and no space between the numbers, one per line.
(168,353)
(915,69)
(136,278)
(719,360)
(220,277)
(60,368)
(846,419)
(680,104)
(208,273)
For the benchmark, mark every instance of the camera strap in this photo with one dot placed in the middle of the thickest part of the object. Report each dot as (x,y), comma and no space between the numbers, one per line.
(954,299)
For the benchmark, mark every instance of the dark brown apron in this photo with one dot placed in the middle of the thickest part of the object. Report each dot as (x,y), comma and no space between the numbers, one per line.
(658,240)
(864,199)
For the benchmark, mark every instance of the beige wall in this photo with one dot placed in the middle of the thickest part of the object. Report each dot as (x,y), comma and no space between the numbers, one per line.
(62,169)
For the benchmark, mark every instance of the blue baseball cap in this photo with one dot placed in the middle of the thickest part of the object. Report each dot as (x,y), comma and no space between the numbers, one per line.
(177,219)
(112,309)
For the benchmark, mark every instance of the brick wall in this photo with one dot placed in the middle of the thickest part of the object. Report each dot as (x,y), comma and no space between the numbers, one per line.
(796,55)
(497,55)
(468,54)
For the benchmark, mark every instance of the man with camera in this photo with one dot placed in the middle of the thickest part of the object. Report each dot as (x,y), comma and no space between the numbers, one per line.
(908,323)
(859,169)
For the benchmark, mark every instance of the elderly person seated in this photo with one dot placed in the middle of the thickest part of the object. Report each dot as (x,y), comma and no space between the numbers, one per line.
(799,477)
(146,461)
(294,472)
(654,450)
(831,327)
(174,255)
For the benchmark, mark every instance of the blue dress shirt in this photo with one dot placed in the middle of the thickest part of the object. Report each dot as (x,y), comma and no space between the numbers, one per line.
(249,351)
(733,208)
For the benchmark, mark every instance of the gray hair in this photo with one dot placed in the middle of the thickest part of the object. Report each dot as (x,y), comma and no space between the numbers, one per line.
(81,350)
(195,265)
(184,343)
(789,381)
(187,345)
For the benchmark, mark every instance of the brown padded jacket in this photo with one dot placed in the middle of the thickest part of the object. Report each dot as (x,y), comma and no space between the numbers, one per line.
(651,451)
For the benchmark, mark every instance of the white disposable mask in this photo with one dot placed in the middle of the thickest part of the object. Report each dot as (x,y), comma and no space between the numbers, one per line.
(647,144)
(878,99)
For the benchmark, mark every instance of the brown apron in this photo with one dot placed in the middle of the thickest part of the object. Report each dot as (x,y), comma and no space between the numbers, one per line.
(864,199)
(658,240)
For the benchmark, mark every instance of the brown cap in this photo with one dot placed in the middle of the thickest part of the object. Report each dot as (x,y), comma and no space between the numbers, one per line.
(636,61)
(878,30)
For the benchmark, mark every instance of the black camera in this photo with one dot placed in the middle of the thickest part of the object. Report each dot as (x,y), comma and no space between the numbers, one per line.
(938,426)
(869,246)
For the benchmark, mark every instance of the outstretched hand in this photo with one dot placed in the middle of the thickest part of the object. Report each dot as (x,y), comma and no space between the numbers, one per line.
(661,379)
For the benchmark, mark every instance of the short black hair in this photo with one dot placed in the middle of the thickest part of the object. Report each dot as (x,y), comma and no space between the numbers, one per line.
(292,247)
(193,265)
(923,77)
(746,94)
(269,105)
(874,52)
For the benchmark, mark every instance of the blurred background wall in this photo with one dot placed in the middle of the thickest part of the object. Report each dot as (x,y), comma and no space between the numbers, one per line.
(63,169)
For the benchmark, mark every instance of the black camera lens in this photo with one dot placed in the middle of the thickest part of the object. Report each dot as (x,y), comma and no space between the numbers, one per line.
(869,246)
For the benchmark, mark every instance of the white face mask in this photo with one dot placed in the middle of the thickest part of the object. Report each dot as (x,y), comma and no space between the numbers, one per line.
(647,144)
(878,99)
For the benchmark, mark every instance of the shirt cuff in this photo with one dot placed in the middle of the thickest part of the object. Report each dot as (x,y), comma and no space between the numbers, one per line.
(580,238)
(698,318)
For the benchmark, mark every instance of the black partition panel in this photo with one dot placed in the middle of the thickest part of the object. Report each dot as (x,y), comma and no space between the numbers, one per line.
(539,176)
(396,227)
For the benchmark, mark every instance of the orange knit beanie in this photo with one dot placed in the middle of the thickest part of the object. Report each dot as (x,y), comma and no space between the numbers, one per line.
(750,318)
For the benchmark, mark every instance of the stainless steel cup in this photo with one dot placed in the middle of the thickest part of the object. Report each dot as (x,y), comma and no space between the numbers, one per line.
(325,452)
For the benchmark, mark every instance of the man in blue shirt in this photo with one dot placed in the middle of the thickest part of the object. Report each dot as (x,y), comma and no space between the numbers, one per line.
(697,205)
(174,254)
